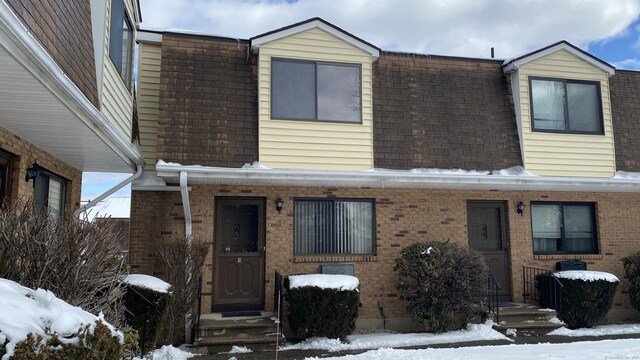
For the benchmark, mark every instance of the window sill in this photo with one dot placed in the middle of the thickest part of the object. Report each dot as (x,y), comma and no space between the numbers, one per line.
(335,258)
(568,257)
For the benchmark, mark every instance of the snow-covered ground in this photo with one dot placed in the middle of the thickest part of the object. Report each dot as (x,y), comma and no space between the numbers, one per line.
(24,310)
(602,330)
(167,352)
(590,350)
(474,332)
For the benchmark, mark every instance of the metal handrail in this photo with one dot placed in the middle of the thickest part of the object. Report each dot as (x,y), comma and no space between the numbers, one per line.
(278,297)
(545,293)
(199,307)
(493,288)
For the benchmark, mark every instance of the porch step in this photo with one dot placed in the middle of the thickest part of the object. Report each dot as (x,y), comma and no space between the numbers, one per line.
(218,334)
(526,320)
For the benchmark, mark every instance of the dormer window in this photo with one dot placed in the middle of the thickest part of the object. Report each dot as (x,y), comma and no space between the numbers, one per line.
(310,90)
(568,106)
(121,41)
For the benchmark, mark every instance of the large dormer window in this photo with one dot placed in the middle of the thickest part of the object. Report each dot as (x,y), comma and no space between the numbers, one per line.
(310,90)
(569,106)
(121,41)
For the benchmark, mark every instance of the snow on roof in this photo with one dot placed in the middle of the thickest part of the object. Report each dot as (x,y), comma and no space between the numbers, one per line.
(113,207)
(586,275)
(324,281)
(24,311)
(148,282)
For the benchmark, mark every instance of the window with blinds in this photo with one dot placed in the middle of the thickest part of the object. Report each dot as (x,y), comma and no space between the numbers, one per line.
(333,226)
(50,193)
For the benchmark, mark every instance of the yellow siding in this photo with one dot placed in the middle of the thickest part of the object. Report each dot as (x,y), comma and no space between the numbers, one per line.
(293,144)
(116,101)
(552,154)
(149,57)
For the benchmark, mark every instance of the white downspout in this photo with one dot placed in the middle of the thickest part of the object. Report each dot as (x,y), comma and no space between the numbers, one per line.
(184,191)
(122,184)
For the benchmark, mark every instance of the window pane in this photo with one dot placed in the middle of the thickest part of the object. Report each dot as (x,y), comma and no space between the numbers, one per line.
(293,94)
(584,107)
(548,104)
(55,197)
(578,231)
(339,93)
(127,51)
(333,227)
(546,221)
(115,33)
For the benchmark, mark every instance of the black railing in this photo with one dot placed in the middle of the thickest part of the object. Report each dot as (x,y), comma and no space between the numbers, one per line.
(199,307)
(143,336)
(278,297)
(493,304)
(541,286)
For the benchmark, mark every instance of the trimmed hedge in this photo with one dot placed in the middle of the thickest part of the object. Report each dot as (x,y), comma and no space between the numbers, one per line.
(583,303)
(632,272)
(100,344)
(314,311)
(141,312)
(443,284)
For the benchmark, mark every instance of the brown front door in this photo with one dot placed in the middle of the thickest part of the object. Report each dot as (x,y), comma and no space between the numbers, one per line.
(486,224)
(239,254)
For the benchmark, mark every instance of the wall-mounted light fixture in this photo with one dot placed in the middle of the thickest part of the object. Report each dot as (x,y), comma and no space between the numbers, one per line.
(279,204)
(32,173)
(520,208)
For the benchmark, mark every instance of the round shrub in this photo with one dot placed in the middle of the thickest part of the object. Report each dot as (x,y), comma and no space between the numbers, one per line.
(443,284)
(632,272)
(586,297)
(319,311)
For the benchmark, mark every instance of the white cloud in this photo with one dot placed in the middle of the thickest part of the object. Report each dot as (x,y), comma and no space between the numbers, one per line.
(628,64)
(455,27)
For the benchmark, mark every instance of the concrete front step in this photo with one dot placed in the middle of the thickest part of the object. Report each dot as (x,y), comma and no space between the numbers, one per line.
(526,320)
(526,328)
(217,334)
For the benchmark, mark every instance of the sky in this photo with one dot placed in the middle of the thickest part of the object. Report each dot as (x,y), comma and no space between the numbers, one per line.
(608,29)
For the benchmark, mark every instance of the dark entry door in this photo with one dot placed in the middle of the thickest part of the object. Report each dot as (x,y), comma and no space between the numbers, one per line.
(239,256)
(486,226)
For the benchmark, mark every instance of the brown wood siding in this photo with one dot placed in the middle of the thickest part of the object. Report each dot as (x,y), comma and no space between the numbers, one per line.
(63,28)
(625,107)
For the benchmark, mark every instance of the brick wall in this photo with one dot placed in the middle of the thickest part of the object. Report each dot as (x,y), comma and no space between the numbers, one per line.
(403,216)
(208,102)
(25,154)
(625,97)
(442,112)
(63,28)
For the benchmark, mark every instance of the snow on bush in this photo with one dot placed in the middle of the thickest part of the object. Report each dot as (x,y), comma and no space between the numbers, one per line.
(24,311)
(148,282)
(324,281)
(586,275)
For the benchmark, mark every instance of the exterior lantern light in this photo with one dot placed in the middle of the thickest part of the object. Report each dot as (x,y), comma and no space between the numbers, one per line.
(520,208)
(32,173)
(279,204)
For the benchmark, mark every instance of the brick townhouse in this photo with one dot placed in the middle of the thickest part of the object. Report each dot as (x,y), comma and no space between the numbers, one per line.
(531,161)
(66,97)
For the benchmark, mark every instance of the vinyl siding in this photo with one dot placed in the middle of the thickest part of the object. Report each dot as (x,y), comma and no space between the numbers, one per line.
(553,154)
(297,144)
(116,101)
(149,57)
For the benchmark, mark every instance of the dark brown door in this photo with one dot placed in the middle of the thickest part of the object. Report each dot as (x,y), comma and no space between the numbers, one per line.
(486,226)
(239,256)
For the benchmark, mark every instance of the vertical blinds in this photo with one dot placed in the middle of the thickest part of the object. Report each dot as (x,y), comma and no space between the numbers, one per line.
(333,227)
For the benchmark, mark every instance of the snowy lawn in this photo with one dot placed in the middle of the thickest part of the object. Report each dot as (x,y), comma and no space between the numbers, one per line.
(474,332)
(168,352)
(602,330)
(589,350)
(24,311)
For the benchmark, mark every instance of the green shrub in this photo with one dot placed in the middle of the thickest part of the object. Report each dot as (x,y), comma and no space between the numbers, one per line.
(314,311)
(145,316)
(443,284)
(99,345)
(585,303)
(632,272)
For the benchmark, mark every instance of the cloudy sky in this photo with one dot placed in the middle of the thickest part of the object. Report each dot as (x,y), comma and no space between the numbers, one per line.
(608,29)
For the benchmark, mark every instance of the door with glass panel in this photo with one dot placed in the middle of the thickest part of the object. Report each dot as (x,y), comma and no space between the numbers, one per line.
(239,254)
(486,224)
